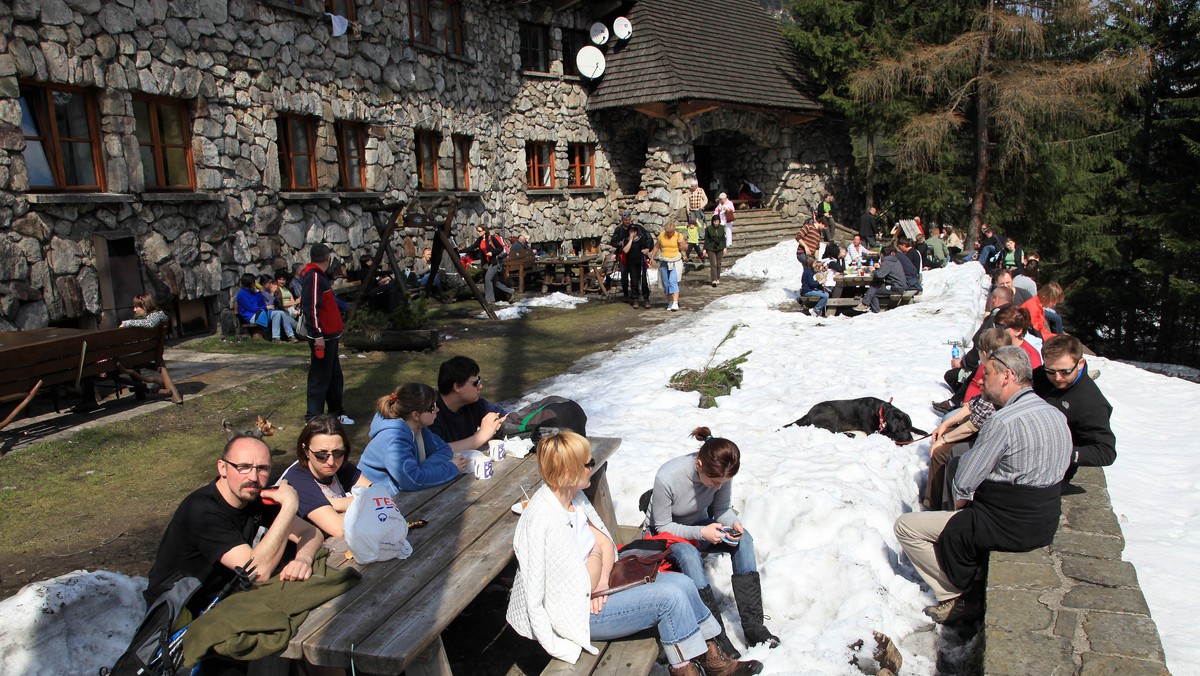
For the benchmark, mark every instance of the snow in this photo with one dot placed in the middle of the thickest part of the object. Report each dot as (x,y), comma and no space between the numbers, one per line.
(821,506)
(519,309)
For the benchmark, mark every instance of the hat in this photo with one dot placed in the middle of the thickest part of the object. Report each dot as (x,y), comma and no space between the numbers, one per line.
(722,196)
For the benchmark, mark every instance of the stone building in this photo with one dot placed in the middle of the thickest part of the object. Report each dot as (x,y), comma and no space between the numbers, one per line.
(171,145)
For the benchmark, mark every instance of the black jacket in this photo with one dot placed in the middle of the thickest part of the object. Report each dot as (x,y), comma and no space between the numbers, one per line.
(866,226)
(911,262)
(1088,413)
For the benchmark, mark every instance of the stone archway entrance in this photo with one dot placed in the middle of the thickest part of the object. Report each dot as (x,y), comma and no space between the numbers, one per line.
(724,157)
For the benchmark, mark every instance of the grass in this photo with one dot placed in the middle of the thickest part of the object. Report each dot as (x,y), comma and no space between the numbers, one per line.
(128,476)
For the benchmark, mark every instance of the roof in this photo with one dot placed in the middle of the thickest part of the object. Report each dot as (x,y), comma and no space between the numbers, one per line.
(720,51)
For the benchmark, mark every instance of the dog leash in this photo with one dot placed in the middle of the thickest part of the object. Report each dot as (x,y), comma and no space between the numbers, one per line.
(905,443)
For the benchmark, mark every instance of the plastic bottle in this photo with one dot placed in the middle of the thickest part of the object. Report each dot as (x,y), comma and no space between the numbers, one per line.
(319,350)
(956,352)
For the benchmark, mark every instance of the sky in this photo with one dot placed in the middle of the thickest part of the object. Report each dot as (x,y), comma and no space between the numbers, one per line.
(820,506)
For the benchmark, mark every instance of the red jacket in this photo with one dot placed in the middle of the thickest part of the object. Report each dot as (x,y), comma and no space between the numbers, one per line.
(317,303)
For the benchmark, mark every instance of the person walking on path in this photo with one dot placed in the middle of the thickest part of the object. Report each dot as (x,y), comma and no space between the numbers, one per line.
(714,244)
(634,243)
(668,251)
(697,200)
(725,210)
(324,319)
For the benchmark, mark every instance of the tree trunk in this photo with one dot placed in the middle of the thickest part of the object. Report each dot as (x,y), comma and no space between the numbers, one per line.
(870,167)
(982,156)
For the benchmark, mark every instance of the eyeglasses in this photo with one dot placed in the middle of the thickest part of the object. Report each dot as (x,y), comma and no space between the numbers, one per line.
(432,407)
(246,468)
(994,357)
(590,464)
(1063,373)
(323,456)
(478,382)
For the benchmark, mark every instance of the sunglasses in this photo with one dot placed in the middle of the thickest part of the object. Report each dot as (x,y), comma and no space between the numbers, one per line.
(1063,373)
(590,464)
(323,456)
(478,382)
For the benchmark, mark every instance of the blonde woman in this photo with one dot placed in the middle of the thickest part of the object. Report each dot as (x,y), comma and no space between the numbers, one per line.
(668,251)
(565,555)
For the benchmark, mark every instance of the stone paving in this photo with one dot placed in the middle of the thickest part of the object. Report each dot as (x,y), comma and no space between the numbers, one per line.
(1074,607)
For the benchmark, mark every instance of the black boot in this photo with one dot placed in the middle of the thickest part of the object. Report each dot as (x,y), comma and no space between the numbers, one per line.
(747,590)
(722,638)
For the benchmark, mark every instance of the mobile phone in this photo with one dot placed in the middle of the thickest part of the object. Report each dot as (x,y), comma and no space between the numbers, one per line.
(267,500)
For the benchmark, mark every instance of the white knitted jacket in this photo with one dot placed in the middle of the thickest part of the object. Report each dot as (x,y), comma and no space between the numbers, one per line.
(551,597)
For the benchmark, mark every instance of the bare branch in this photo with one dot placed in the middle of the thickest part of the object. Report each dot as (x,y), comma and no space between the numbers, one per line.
(921,139)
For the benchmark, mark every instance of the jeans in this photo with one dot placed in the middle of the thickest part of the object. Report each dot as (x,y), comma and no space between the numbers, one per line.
(671,604)
(1053,320)
(324,381)
(277,319)
(490,283)
(871,297)
(691,564)
(823,295)
(986,253)
(668,277)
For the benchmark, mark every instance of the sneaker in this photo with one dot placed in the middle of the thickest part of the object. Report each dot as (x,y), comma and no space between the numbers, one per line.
(345,419)
(942,407)
(860,308)
(714,284)
(275,340)
(673,306)
(646,305)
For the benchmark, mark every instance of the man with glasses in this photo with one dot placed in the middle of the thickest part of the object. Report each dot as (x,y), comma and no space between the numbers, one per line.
(227,523)
(1006,490)
(465,420)
(1063,382)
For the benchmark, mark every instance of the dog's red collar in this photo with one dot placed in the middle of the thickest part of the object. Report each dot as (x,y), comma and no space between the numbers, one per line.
(882,424)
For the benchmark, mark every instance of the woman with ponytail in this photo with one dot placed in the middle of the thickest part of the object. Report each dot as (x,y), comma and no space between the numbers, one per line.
(403,453)
(692,500)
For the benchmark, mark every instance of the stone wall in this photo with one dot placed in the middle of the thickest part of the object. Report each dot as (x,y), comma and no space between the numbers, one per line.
(1074,607)
(238,65)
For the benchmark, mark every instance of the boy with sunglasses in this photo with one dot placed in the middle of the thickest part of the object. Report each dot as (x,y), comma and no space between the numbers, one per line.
(1063,382)
(465,420)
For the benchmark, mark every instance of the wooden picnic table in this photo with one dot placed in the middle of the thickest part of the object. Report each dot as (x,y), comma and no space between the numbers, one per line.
(590,266)
(18,339)
(393,619)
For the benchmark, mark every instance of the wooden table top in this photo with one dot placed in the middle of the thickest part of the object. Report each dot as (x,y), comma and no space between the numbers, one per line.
(401,606)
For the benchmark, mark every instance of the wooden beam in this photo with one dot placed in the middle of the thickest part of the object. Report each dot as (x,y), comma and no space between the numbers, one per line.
(793,119)
(656,110)
(690,109)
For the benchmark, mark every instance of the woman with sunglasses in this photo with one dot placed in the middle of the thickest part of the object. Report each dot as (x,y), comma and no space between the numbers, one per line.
(692,500)
(403,453)
(323,474)
(565,556)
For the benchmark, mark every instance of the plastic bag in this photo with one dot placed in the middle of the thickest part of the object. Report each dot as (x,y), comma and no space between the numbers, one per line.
(375,529)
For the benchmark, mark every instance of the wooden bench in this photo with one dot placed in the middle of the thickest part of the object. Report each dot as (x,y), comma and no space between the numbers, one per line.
(633,655)
(72,356)
(885,302)
(243,328)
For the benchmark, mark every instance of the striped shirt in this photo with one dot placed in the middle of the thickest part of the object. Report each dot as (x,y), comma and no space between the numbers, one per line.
(1026,443)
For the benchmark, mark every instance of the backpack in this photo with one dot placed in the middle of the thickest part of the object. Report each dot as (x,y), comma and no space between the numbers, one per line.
(551,412)
(155,633)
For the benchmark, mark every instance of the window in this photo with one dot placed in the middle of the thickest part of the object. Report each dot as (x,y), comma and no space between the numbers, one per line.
(297,159)
(573,41)
(581,157)
(539,157)
(340,8)
(462,161)
(535,47)
(352,167)
(428,143)
(418,22)
(163,129)
(62,138)
(454,27)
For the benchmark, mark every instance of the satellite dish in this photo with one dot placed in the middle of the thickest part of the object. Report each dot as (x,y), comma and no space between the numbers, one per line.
(599,33)
(622,28)
(590,62)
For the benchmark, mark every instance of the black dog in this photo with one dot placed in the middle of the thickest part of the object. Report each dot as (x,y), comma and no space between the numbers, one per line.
(865,414)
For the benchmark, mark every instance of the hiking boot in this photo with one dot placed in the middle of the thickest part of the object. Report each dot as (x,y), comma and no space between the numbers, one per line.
(955,610)
(722,639)
(942,407)
(646,304)
(860,308)
(688,669)
(716,663)
(747,591)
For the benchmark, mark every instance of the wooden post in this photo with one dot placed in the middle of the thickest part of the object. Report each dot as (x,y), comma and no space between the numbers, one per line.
(385,247)
(443,243)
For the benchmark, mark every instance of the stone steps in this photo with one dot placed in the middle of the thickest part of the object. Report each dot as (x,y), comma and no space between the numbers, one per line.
(757,229)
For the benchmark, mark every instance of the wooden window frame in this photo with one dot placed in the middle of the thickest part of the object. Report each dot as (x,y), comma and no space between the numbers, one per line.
(576,167)
(462,161)
(455,44)
(418,14)
(570,47)
(427,159)
(342,128)
(51,140)
(534,165)
(287,154)
(331,7)
(543,52)
(157,147)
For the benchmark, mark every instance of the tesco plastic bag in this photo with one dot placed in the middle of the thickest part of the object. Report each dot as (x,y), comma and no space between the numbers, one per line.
(375,529)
